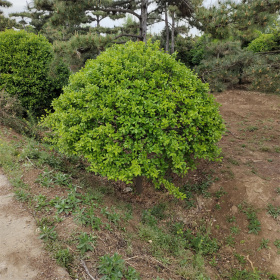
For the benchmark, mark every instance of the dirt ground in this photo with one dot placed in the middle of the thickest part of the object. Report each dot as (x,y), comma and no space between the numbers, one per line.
(22,256)
(249,173)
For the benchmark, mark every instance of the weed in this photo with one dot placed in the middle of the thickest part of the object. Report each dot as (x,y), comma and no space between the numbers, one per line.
(64,257)
(45,179)
(148,219)
(244,274)
(92,195)
(112,216)
(158,211)
(113,267)
(199,188)
(277,244)
(264,149)
(22,195)
(278,190)
(85,242)
(240,258)
(273,211)
(61,179)
(233,161)
(264,244)
(251,128)
(231,219)
(277,149)
(48,233)
(213,261)
(218,206)
(235,230)
(218,194)
(41,201)
(87,217)
(254,224)
(230,241)
(203,244)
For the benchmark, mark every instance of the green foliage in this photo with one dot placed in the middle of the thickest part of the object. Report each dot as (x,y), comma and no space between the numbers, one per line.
(25,66)
(273,211)
(78,49)
(265,42)
(113,268)
(86,242)
(136,111)
(64,257)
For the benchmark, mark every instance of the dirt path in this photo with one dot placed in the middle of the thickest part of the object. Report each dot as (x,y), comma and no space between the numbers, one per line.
(22,255)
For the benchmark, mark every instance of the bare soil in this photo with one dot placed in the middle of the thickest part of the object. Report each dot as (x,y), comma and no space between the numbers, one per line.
(249,173)
(22,256)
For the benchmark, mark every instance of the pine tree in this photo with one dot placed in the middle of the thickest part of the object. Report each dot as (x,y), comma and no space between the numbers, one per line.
(239,20)
(4,21)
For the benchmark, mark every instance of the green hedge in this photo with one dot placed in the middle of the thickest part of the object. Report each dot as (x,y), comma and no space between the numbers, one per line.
(25,69)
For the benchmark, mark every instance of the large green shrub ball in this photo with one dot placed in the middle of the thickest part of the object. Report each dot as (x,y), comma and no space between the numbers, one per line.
(136,111)
(25,66)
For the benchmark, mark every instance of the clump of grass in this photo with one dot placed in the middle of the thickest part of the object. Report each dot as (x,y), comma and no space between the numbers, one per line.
(273,211)
(113,267)
(264,244)
(254,224)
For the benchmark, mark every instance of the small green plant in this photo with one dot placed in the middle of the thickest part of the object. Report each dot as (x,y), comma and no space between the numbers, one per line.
(48,233)
(85,242)
(240,258)
(64,257)
(87,217)
(61,179)
(273,211)
(235,230)
(149,219)
(218,206)
(277,244)
(231,219)
(113,267)
(230,241)
(218,194)
(278,190)
(22,195)
(264,244)
(251,128)
(112,216)
(41,201)
(45,179)
(254,224)
(244,274)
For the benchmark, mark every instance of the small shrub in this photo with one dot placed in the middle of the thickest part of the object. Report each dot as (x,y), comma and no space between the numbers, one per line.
(25,65)
(135,112)
(113,267)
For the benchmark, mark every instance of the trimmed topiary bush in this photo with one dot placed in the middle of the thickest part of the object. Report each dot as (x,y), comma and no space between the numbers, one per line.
(136,112)
(25,66)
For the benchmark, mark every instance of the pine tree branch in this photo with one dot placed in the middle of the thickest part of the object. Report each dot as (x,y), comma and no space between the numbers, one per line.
(120,11)
(127,35)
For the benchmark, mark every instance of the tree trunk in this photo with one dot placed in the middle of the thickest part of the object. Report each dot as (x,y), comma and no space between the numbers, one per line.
(143,20)
(172,32)
(139,184)
(166,29)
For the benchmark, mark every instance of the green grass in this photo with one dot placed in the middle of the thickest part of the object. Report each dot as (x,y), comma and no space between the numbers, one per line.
(254,225)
